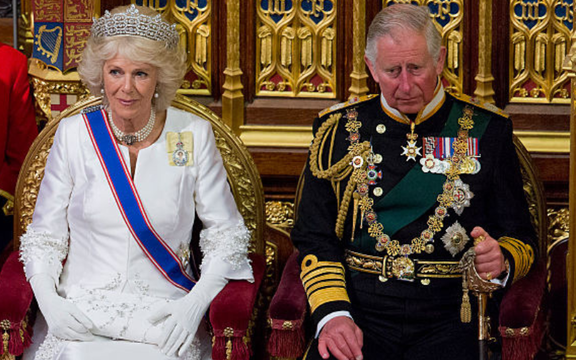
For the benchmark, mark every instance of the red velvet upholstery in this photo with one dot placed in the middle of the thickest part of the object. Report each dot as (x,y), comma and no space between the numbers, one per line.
(523,315)
(231,312)
(287,312)
(232,308)
(16,297)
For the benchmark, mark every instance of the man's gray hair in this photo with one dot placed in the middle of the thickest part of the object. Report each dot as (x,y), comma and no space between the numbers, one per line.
(395,18)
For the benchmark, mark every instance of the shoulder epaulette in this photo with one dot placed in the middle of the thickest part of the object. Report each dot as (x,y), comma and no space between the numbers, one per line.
(481,104)
(352,101)
(92,108)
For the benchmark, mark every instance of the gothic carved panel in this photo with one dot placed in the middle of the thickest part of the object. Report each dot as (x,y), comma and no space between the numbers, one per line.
(539,41)
(296,48)
(194,24)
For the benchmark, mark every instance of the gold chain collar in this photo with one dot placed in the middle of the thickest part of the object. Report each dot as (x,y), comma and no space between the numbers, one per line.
(459,164)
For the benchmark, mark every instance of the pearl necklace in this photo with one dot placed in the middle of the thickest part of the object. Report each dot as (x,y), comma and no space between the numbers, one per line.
(137,136)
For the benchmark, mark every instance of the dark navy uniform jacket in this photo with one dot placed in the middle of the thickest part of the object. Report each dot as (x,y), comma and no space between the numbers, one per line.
(498,203)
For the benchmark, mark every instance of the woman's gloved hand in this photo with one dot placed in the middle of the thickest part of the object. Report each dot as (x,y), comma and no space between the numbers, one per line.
(64,319)
(184,315)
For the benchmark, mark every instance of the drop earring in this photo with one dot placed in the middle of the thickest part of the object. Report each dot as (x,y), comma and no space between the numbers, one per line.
(102,91)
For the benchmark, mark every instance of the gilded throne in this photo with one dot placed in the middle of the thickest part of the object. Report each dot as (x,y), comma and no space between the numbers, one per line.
(233,313)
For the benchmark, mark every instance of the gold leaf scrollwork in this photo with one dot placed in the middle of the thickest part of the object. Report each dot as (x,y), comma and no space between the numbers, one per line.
(559,41)
(327,44)
(286,46)
(519,41)
(305,36)
(454,40)
(299,58)
(32,179)
(202,44)
(540,33)
(540,52)
(265,36)
(280,213)
(559,224)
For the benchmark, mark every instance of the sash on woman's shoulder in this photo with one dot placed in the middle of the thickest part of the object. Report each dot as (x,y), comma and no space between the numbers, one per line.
(129,203)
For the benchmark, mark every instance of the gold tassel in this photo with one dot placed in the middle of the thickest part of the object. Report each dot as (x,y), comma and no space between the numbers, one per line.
(465,308)
(5,340)
(354,215)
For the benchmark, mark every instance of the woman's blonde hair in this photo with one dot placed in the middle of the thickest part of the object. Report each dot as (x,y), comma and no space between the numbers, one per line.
(170,62)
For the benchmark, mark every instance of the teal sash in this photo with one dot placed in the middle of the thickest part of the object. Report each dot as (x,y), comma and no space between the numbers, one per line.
(417,192)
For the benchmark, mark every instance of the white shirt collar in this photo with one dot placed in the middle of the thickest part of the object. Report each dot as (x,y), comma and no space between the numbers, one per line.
(429,110)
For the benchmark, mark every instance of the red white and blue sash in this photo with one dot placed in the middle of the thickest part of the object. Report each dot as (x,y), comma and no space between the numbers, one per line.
(129,203)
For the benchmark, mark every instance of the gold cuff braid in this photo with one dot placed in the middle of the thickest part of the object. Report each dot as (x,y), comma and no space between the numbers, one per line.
(522,254)
(323,281)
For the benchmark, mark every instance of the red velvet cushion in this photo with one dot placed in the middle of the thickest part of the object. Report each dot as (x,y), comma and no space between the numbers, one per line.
(16,297)
(522,301)
(16,291)
(233,306)
(289,302)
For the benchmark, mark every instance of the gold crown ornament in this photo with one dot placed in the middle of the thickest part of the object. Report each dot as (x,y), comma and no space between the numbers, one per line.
(132,23)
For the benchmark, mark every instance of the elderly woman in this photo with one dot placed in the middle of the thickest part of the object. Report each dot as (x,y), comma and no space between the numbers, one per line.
(107,253)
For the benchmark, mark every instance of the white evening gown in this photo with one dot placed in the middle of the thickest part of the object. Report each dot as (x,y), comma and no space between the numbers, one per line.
(106,273)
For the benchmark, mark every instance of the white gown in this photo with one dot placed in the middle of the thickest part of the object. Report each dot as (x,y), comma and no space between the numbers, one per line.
(106,273)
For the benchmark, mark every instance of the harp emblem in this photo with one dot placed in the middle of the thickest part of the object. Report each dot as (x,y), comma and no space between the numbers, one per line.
(48,43)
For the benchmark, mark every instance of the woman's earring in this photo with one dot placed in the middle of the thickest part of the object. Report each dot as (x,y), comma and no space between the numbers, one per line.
(156,95)
(102,91)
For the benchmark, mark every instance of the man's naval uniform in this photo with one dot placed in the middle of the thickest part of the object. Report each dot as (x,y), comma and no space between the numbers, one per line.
(407,299)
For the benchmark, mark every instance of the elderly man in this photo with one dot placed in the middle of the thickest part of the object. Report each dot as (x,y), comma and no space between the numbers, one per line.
(397,188)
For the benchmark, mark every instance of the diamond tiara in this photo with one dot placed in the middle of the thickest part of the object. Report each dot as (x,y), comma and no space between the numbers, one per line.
(131,22)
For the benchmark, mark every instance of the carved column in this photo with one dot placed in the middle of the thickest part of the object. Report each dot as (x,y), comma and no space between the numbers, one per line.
(233,98)
(358,86)
(570,68)
(484,78)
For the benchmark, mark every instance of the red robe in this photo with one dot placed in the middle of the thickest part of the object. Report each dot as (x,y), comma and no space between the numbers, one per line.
(17,126)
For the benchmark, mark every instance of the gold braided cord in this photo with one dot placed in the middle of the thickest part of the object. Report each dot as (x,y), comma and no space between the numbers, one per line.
(337,168)
(332,139)
(335,183)
(322,144)
(341,169)
(343,210)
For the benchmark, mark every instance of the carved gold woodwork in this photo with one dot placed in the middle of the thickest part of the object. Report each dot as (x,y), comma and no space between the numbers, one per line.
(194,24)
(280,214)
(484,78)
(570,68)
(232,97)
(539,41)
(448,17)
(559,223)
(358,76)
(296,48)
(47,83)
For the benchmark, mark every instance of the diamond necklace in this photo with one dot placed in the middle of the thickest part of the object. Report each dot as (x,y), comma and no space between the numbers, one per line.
(137,136)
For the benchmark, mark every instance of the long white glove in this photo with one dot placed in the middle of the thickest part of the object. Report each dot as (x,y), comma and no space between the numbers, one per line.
(184,315)
(64,319)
